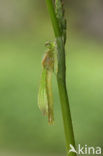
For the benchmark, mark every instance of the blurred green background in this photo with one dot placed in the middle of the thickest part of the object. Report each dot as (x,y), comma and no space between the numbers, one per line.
(24,28)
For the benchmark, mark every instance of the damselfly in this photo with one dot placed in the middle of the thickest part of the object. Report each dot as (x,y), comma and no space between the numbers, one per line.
(45,98)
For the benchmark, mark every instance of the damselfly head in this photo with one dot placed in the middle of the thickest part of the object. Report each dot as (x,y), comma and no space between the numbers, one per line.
(50,45)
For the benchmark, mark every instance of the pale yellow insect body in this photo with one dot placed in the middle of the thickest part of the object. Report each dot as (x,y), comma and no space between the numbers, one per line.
(45,98)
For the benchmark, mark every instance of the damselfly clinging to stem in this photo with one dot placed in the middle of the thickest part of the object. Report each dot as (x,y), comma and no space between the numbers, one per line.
(45,98)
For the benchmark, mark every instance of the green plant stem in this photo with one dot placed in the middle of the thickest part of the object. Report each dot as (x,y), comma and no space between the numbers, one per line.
(61,80)
(53,18)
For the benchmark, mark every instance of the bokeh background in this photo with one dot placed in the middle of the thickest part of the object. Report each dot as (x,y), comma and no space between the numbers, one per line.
(24,28)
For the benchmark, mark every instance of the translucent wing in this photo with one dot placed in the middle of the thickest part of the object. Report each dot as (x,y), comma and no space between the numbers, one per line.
(42,94)
(50,98)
